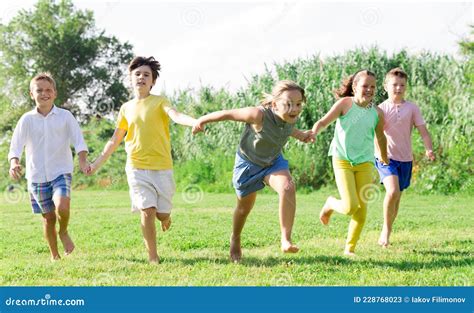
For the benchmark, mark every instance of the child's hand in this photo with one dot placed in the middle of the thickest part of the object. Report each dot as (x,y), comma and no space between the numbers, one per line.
(85,166)
(198,126)
(92,169)
(430,155)
(384,161)
(15,171)
(306,136)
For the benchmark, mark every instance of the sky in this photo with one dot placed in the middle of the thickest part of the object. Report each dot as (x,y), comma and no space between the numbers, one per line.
(222,44)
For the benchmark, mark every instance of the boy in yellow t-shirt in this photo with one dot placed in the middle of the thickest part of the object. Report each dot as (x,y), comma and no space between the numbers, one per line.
(144,122)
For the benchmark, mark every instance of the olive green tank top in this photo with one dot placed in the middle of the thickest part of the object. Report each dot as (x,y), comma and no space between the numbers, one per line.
(263,147)
(354,135)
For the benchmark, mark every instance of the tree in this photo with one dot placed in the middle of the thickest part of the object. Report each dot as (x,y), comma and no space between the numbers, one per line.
(89,67)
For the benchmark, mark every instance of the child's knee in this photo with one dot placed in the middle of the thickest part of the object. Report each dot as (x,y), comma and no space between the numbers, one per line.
(49,218)
(163,216)
(243,209)
(393,194)
(288,188)
(149,213)
(350,207)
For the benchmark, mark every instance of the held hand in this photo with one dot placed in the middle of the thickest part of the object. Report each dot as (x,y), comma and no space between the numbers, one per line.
(385,161)
(306,136)
(198,126)
(15,171)
(92,169)
(311,136)
(85,167)
(430,155)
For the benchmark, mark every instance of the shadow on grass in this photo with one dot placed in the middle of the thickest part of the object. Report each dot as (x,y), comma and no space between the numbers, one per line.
(443,261)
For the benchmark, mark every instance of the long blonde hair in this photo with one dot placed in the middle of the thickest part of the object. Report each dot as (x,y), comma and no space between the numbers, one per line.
(278,89)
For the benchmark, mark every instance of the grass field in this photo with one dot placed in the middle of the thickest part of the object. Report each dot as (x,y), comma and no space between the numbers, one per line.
(432,244)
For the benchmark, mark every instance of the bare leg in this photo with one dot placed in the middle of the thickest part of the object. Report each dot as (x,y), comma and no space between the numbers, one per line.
(165,219)
(49,231)
(63,205)
(283,184)
(390,208)
(327,210)
(244,206)
(149,233)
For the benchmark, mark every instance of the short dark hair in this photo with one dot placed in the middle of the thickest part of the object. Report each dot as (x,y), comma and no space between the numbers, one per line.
(396,72)
(150,61)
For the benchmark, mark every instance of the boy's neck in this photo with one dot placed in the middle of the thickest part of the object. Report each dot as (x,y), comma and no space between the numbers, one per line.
(397,100)
(142,95)
(44,110)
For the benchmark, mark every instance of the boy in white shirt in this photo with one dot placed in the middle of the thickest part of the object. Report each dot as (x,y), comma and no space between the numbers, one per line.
(47,133)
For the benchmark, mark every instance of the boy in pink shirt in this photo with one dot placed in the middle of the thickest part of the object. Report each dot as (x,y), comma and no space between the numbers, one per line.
(400,117)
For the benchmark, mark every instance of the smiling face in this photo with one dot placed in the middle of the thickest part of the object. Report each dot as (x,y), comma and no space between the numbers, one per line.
(288,106)
(364,89)
(396,87)
(142,79)
(43,93)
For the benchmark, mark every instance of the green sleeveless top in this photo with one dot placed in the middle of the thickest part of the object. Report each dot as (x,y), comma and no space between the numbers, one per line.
(354,135)
(263,147)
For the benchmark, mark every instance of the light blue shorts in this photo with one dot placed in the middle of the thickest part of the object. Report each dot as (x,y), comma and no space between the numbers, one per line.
(249,177)
(41,194)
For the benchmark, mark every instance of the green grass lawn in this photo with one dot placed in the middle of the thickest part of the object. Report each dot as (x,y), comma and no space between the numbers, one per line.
(432,244)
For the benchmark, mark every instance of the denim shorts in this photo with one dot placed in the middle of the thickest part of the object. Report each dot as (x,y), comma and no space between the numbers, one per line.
(395,168)
(249,177)
(41,194)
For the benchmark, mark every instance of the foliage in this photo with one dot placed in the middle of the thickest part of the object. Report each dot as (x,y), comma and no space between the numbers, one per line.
(56,37)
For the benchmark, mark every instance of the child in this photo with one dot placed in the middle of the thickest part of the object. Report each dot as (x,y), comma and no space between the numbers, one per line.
(259,159)
(352,150)
(400,116)
(145,122)
(47,133)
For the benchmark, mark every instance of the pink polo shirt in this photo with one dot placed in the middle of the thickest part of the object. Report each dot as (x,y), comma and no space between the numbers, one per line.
(399,120)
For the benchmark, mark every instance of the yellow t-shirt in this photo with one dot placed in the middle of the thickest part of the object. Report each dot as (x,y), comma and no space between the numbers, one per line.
(147,141)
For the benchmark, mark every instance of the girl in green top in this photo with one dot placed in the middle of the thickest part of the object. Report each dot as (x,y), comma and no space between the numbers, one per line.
(352,150)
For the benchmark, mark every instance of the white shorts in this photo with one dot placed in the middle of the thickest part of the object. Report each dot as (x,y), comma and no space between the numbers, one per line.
(151,188)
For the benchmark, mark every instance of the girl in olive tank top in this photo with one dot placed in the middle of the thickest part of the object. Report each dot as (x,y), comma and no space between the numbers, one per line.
(259,159)
(358,121)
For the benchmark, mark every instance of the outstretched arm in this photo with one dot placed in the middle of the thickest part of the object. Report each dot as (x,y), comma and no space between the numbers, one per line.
(425,135)
(381,139)
(336,110)
(109,148)
(250,115)
(180,118)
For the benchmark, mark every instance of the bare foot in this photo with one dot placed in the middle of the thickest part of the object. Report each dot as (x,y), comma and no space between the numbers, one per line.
(55,258)
(166,224)
(288,247)
(349,253)
(235,249)
(326,212)
(154,260)
(67,243)
(383,239)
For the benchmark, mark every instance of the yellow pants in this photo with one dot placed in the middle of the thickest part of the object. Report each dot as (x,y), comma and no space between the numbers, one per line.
(351,182)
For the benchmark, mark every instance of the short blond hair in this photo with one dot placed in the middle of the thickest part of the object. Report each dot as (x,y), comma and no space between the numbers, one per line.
(43,76)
